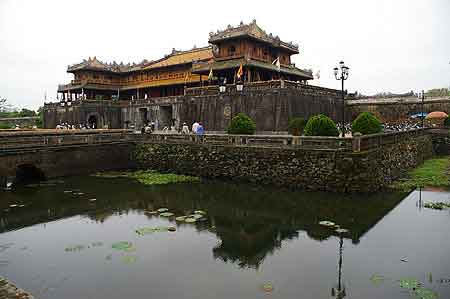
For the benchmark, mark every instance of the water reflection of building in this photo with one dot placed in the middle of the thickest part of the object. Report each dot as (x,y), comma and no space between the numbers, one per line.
(250,222)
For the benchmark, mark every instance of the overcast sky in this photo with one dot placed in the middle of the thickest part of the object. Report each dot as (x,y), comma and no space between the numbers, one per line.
(389,45)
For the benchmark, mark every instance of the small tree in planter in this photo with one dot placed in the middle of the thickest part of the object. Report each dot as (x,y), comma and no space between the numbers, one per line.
(241,124)
(296,126)
(366,123)
(321,125)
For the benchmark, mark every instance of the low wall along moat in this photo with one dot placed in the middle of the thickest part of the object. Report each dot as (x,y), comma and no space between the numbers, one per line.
(351,164)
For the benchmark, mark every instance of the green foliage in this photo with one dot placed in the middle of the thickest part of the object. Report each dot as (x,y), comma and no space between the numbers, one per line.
(296,126)
(432,173)
(241,124)
(366,123)
(321,125)
(5,126)
(149,177)
(447,122)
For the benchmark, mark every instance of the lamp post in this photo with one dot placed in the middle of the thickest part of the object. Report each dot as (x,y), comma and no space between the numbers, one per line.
(423,100)
(341,73)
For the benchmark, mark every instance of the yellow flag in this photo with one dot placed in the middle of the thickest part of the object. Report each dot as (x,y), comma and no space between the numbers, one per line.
(210,76)
(240,72)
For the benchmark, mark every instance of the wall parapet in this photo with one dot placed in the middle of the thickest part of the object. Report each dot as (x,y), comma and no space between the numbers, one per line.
(262,85)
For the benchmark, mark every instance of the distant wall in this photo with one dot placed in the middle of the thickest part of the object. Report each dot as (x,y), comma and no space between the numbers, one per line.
(393,110)
(21,121)
(312,169)
(106,113)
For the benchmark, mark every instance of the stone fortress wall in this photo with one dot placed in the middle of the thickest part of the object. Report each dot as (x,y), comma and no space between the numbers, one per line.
(271,104)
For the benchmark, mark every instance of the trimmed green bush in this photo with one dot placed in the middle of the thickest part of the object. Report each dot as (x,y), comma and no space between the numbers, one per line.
(447,122)
(321,125)
(366,123)
(296,126)
(241,124)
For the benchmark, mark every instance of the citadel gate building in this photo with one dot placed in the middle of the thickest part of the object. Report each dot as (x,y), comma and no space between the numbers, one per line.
(243,69)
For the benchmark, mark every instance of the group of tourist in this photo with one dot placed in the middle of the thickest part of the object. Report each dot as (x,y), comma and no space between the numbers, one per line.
(197,128)
(67,126)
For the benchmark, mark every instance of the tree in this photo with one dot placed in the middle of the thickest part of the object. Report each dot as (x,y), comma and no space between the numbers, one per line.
(366,123)
(242,124)
(296,126)
(321,125)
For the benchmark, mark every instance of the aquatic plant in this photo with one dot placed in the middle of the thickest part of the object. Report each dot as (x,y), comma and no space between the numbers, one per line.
(150,177)
(124,246)
(151,230)
(166,214)
(437,205)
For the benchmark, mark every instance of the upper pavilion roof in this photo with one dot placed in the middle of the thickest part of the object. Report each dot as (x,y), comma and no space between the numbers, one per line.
(182,57)
(174,58)
(96,65)
(252,30)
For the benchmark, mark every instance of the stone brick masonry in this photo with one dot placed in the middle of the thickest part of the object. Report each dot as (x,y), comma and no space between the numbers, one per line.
(312,169)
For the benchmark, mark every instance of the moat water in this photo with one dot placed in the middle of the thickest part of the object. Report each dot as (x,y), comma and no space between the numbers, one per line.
(56,241)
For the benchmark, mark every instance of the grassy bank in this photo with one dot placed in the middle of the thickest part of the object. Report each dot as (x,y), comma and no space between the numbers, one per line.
(432,173)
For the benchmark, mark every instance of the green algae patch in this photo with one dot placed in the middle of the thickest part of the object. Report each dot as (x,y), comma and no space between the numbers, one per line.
(437,205)
(150,177)
(123,246)
(150,230)
(432,173)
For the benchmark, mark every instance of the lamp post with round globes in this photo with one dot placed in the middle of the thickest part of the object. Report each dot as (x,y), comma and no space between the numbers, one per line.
(341,73)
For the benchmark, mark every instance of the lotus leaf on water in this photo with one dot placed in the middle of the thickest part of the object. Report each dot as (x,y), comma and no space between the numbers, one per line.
(409,283)
(162,210)
(151,212)
(129,259)
(92,199)
(267,287)
(342,231)
(327,223)
(437,205)
(74,248)
(197,216)
(377,279)
(423,293)
(123,245)
(190,220)
(181,218)
(166,214)
(151,230)
(200,212)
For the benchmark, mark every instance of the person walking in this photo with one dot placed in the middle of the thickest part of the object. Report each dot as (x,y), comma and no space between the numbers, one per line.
(194,127)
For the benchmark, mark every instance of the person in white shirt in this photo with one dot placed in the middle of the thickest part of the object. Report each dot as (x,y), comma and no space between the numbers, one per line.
(185,129)
(194,127)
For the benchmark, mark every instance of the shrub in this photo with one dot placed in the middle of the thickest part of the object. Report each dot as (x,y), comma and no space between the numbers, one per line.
(366,123)
(242,124)
(447,122)
(5,126)
(321,125)
(296,126)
